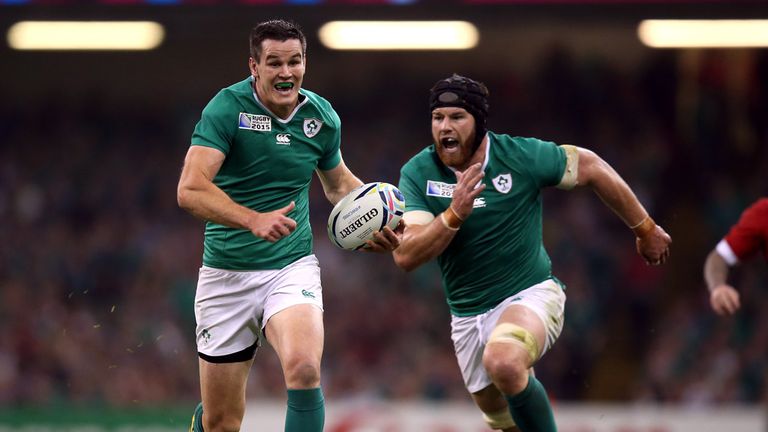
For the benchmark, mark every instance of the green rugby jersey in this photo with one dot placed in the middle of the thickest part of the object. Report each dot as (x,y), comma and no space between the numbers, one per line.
(499,249)
(269,163)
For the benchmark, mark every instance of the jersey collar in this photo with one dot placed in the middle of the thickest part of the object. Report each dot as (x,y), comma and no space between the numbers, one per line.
(302,100)
(485,159)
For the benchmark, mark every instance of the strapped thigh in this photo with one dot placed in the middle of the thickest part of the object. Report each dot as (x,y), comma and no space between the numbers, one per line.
(514,334)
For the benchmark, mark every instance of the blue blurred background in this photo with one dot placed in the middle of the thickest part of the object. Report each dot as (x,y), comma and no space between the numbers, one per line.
(98,265)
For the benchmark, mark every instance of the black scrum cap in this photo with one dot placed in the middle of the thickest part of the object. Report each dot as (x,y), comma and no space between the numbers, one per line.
(463,92)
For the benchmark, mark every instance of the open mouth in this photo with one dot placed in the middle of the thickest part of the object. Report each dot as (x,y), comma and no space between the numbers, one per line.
(284,87)
(449,143)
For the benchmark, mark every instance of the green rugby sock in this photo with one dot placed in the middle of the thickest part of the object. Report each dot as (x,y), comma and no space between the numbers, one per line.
(306,411)
(531,409)
(197,419)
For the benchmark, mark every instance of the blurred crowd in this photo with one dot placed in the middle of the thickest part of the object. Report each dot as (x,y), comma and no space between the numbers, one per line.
(98,265)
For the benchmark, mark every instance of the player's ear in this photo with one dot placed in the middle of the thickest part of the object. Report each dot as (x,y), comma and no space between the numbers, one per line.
(252,68)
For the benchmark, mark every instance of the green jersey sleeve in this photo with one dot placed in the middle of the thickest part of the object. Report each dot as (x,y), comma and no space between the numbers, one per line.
(332,155)
(416,200)
(545,161)
(216,128)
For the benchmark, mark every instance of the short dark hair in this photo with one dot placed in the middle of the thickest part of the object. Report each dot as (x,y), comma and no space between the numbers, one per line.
(279,30)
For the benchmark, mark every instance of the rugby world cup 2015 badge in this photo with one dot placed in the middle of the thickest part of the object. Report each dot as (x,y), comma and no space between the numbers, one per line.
(255,122)
(312,127)
(440,189)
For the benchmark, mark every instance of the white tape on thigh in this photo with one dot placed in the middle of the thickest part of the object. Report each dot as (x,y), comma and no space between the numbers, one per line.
(512,333)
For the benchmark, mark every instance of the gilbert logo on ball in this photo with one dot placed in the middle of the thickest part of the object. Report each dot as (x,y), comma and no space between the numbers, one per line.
(365,210)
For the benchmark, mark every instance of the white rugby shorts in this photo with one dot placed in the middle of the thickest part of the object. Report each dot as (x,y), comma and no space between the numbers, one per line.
(470,334)
(232,307)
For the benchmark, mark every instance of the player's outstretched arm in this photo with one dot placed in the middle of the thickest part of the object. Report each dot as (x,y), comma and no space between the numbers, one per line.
(423,240)
(198,195)
(426,236)
(723,297)
(338,182)
(651,239)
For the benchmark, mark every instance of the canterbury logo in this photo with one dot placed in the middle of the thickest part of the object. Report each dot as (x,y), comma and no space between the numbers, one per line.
(284,139)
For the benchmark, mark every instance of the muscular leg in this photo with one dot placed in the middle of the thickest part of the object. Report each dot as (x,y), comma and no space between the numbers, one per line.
(508,359)
(222,386)
(491,401)
(296,334)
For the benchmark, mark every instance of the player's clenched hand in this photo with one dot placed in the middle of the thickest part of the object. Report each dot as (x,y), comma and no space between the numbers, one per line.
(386,240)
(467,189)
(724,300)
(274,225)
(653,246)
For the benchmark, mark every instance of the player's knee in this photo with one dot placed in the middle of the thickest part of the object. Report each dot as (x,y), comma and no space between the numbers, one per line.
(302,373)
(221,422)
(507,371)
(509,353)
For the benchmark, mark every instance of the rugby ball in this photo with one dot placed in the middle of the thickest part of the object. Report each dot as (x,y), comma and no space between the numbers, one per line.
(365,210)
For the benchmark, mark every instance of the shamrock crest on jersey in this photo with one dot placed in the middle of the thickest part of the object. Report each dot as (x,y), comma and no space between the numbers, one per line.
(503,183)
(312,127)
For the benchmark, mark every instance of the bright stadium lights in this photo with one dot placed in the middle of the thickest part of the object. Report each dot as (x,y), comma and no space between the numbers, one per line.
(85,35)
(703,33)
(399,35)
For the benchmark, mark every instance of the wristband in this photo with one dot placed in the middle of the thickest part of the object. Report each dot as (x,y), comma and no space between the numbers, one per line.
(453,218)
(445,223)
(643,227)
(454,214)
(450,219)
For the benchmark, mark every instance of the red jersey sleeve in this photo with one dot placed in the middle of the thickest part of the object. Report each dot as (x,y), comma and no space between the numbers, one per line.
(750,234)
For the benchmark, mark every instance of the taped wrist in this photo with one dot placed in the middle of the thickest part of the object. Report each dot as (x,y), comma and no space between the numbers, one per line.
(451,220)
(446,224)
(644,227)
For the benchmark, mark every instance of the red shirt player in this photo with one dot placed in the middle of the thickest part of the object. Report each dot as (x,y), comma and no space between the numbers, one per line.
(748,237)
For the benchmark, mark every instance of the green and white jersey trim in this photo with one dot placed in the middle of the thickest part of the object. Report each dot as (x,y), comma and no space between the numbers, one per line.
(274,116)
